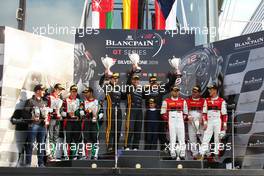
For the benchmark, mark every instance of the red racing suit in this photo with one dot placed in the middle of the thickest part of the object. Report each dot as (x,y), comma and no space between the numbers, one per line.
(216,118)
(195,109)
(175,110)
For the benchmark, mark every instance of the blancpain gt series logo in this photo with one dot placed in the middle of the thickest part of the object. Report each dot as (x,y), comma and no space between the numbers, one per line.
(129,43)
(151,42)
(249,42)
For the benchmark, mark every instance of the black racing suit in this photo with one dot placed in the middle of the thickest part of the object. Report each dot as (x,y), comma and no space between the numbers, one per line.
(157,94)
(134,115)
(113,99)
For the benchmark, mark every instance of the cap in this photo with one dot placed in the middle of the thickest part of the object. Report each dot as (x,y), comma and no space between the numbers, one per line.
(175,88)
(135,76)
(212,86)
(151,100)
(73,87)
(197,88)
(88,89)
(59,86)
(152,78)
(115,75)
(39,87)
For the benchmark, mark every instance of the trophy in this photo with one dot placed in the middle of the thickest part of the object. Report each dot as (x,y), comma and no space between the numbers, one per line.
(196,125)
(134,57)
(196,122)
(175,63)
(36,113)
(72,108)
(108,62)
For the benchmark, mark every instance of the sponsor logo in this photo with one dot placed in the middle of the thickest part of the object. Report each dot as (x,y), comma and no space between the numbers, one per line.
(261,102)
(243,123)
(150,41)
(253,80)
(237,62)
(249,42)
(255,144)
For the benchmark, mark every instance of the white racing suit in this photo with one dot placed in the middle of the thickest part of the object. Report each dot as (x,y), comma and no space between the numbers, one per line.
(175,110)
(195,127)
(216,111)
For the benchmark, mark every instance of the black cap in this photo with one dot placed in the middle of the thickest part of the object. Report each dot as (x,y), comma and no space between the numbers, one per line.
(39,87)
(74,87)
(197,88)
(115,75)
(59,86)
(88,89)
(212,86)
(153,78)
(175,88)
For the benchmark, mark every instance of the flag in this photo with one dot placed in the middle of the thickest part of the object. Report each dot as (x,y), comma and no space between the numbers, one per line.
(165,14)
(133,14)
(102,14)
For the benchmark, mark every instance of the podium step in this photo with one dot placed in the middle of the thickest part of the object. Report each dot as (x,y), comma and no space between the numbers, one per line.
(142,158)
(83,163)
(173,164)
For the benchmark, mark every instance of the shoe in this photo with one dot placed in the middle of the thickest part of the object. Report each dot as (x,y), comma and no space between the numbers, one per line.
(66,158)
(27,165)
(135,149)
(173,156)
(199,157)
(182,158)
(126,149)
(41,165)
(110,149)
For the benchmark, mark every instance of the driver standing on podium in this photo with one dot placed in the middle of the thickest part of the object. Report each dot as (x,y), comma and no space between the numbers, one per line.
(195,120)
(174,110)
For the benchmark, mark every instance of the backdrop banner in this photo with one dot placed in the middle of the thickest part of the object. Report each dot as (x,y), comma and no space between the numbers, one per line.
(236,65)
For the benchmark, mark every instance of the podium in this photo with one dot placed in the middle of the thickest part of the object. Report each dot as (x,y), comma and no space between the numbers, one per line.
(144,159)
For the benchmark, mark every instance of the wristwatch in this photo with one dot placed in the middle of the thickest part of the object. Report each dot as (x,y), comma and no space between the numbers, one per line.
(84,65)
(200,67)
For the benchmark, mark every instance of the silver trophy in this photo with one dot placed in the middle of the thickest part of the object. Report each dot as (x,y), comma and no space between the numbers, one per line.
(36,113)
(56,105)
(134,57)
(196,122)
(108,62)
(196,125)
(72,107)
(175,63)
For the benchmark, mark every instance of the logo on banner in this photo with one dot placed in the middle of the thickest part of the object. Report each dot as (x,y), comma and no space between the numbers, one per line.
(137,44)
(253,80)
(255,144)
(261,102)
(237,62)
(249,42)
(243,123)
